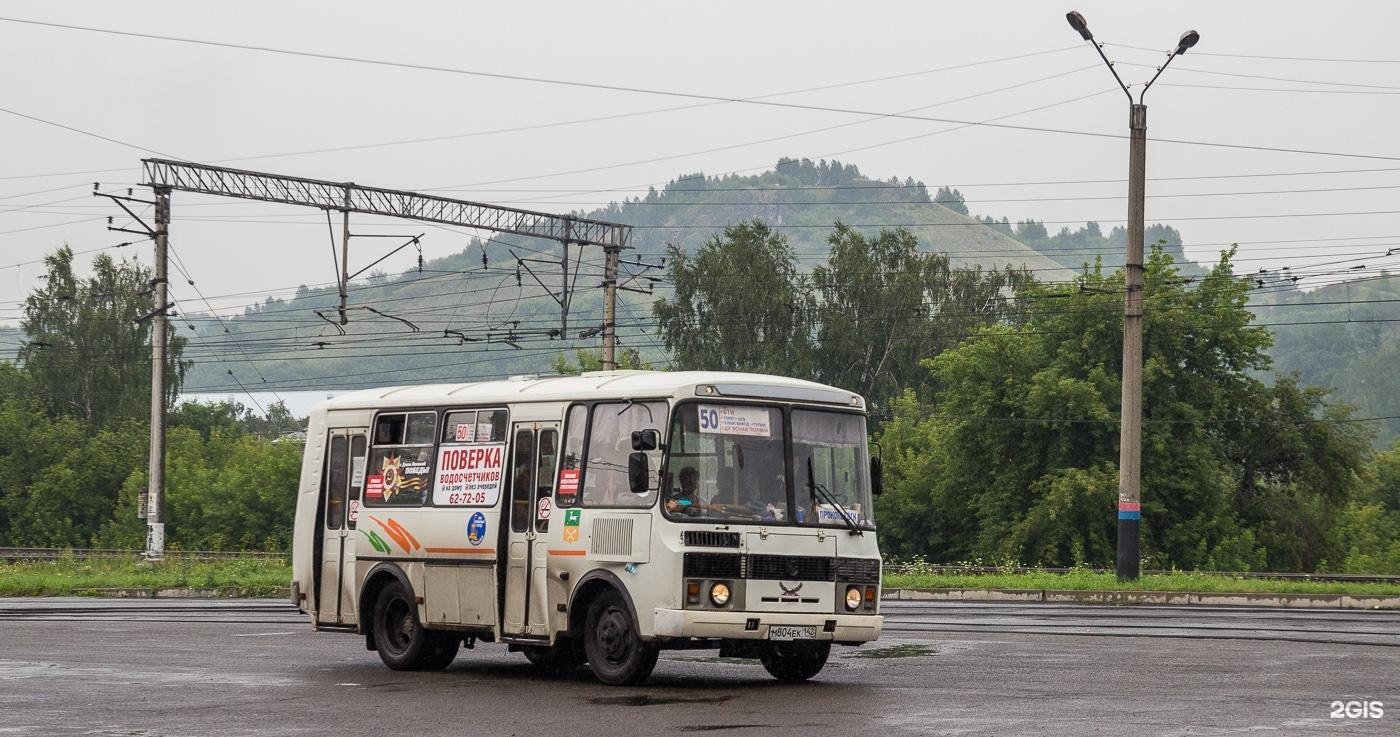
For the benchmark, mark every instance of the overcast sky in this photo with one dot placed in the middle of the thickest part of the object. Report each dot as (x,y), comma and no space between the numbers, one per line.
(213,104)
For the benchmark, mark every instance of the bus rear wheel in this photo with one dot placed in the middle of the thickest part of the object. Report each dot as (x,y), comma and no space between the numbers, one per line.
(616,652)
(794,661)
(402,641)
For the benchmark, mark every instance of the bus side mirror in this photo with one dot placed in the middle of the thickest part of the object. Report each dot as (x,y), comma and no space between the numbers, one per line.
(645,439)
(877,475)
(637,472)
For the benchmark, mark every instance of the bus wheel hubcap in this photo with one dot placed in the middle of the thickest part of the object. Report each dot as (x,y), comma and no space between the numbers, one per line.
(613,635)
(400,626)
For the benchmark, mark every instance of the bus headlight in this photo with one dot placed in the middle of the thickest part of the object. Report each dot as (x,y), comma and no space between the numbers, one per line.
(853,598)
(719,594)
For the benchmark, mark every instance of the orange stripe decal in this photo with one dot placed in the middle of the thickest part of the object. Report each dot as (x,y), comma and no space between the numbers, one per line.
(400,533)
(568,552)
(468,551)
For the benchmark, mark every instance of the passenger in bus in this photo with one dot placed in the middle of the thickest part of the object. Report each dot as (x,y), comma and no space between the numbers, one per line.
(775,501)
(727,494)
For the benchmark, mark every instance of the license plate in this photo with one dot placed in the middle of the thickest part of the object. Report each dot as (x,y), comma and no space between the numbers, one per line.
(790,632)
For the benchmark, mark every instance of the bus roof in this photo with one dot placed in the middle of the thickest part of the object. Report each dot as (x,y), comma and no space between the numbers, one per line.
(600,385)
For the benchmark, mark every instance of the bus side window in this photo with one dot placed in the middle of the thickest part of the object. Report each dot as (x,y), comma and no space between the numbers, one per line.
(522,480)
(336,483)
(549,455)
(460,427)
(357,477)
(610,444)
(491,426)
(400,466)
(572,469)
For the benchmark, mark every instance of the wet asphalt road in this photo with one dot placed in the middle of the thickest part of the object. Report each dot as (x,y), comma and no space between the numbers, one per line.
(175,668)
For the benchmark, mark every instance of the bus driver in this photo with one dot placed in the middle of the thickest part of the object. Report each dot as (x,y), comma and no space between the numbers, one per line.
(685,500)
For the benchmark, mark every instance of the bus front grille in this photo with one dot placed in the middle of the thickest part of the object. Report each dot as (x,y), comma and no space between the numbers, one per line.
(711,539)
(781,567)
(790,567)
(713,565)
(858,570)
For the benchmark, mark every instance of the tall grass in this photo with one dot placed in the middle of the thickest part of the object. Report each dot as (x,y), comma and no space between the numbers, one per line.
(86,576)
(250,577)
(1084,580)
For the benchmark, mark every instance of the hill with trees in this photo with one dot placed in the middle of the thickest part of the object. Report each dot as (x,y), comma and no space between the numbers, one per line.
(1344,336)
(485,312)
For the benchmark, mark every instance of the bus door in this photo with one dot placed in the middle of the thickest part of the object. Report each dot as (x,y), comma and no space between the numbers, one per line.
(341,485)
(534,458)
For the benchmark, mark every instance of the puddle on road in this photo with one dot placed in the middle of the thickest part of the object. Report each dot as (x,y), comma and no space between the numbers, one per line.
(907,650)
(655,700)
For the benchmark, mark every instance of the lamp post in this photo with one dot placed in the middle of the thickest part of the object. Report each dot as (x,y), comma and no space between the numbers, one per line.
(1130,424)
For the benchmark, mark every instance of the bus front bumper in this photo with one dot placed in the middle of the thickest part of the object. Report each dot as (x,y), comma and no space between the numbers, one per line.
(736,625)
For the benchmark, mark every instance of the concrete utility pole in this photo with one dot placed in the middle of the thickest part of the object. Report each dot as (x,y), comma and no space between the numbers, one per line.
(155,516)
(1130,422)
(610,307)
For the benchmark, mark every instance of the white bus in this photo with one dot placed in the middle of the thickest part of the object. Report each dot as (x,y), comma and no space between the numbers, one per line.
(592,519)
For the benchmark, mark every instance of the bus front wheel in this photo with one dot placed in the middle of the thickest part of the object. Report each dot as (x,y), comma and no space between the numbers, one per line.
(402,641)
(616,652)
(794,661)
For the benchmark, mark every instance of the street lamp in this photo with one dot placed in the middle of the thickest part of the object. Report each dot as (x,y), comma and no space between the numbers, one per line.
(1130,424)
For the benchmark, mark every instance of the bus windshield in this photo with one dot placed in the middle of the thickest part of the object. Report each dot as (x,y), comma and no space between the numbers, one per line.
(727,463)
(833,475)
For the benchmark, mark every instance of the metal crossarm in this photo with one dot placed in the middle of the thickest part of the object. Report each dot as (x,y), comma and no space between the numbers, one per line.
(351,197)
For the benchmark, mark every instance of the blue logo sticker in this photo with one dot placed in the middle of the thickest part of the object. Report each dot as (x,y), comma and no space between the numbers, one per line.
(476,528)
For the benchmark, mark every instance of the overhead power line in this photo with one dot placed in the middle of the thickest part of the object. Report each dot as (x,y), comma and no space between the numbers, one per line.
(577,121)
(677,94)
(1271,78)
(1291,90)
(1262,57)
(90,134)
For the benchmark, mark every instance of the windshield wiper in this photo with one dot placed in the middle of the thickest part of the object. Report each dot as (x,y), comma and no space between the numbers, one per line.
(818,490)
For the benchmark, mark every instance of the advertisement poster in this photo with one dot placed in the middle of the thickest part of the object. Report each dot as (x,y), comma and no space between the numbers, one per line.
(398,476)
(469,476)
(568,486)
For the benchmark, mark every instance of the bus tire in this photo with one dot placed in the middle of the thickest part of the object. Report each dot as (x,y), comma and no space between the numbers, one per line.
(616,652)
(794,661)
(441,651)
(401,640)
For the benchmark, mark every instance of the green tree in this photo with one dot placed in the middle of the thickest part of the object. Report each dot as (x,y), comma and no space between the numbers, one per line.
(1025,424)
(739,305)
(592,360)
(229,415)
(85,350)
(229,491)
(882,306)
(32,443)
(951,199)
(1369,527)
